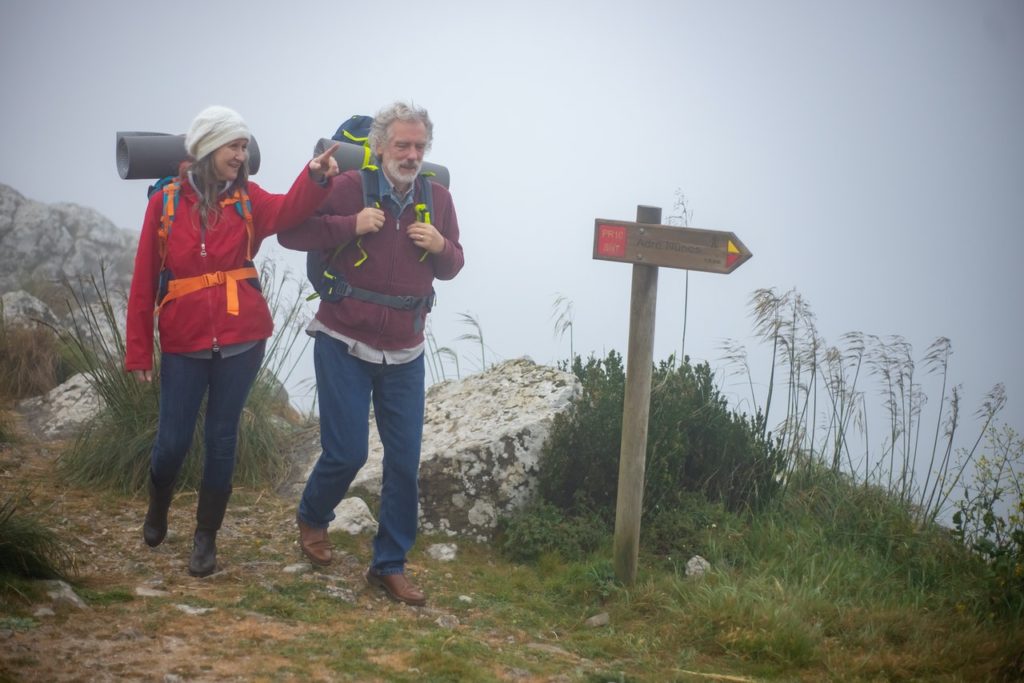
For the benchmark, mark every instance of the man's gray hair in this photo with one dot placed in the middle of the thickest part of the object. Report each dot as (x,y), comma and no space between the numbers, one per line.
(399,111)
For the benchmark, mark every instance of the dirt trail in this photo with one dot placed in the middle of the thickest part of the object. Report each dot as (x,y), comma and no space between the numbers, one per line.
(148,620)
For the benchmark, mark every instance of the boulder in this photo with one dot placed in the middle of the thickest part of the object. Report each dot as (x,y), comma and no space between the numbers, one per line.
(23,309)
(482,440)
(62,411)
(353,517)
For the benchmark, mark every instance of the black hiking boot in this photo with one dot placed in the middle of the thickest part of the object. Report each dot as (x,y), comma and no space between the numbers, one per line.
(154,529)
(209,515)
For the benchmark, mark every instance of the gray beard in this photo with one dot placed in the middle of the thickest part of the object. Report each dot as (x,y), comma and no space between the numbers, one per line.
(396,173)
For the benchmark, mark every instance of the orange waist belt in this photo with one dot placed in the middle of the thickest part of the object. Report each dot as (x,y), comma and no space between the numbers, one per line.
(179,288)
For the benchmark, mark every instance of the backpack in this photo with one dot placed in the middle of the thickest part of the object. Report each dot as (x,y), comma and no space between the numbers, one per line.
(330,285)
(170,187)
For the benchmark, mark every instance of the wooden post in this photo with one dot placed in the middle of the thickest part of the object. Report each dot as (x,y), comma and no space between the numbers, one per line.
(635,412)
(648,245)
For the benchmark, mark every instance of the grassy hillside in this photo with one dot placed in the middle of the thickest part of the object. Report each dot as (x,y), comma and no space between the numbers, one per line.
(816,573)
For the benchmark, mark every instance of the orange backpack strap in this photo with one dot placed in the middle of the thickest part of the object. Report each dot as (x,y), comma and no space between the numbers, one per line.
(180,287)
(170,192)
(244,207)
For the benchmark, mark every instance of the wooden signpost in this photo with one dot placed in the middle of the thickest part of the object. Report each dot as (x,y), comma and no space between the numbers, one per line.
(647,245)
(712,251)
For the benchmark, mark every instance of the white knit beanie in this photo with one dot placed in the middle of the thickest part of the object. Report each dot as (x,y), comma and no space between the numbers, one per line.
(213,127)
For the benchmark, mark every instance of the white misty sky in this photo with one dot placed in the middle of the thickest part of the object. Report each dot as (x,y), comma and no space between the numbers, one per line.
(870,154)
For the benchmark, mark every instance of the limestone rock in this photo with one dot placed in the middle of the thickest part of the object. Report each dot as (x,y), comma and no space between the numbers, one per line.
(697,566)
(21,308)
(61,592)
(482,439)
(448,622)
(62,411)
(353,516)
(44,243)
(443,552)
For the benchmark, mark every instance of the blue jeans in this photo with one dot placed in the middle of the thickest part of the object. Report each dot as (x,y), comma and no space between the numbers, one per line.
(183,382)
(345,385)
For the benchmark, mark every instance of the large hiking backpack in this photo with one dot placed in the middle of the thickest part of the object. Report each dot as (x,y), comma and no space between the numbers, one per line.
(329,284)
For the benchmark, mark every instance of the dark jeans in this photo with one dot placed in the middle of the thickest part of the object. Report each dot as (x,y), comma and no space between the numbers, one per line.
(345,386)
(183,382)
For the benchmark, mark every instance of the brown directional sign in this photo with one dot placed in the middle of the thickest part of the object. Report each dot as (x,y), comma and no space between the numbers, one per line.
(713,251)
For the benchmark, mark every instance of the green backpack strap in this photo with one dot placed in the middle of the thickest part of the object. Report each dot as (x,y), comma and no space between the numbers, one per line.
(425,208)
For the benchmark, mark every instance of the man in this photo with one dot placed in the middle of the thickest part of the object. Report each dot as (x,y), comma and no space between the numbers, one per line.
(369,343)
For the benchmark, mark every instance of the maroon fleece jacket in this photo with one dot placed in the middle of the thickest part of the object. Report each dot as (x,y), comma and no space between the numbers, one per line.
(392,265)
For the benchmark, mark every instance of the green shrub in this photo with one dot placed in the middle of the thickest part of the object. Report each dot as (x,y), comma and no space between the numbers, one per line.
(542,529)
(686,529)
(580,460)
(695,444)
(990,519)
(704,463)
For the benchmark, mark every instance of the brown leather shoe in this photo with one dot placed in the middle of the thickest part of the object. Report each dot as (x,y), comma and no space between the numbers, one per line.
(397,587)
(315,544)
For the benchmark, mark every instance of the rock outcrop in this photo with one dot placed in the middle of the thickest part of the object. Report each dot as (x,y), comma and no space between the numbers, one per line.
(43,243)
(63,411)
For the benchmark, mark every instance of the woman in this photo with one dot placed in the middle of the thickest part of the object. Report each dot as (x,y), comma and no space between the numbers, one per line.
(194,269)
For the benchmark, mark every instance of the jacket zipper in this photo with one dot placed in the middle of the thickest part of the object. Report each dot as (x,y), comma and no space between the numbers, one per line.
(215,345)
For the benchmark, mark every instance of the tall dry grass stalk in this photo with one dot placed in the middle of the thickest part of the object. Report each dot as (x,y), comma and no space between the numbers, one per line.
(815,404)
(477,336)
(564,316)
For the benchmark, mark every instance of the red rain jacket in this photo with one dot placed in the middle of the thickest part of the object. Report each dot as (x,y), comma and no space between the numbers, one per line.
(200,320)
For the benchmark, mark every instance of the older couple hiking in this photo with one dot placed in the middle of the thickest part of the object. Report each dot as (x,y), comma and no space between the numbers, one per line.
(197,275)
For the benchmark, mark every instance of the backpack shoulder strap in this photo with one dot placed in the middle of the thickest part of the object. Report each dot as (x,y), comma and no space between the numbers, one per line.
(371,186)
(243,205)
(171,190)
(425,208)
(369,177)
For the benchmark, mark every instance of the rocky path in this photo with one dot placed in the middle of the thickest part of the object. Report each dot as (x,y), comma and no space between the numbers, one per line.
(136,615)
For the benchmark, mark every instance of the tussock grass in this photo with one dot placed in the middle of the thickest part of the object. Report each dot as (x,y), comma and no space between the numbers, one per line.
(28,549)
